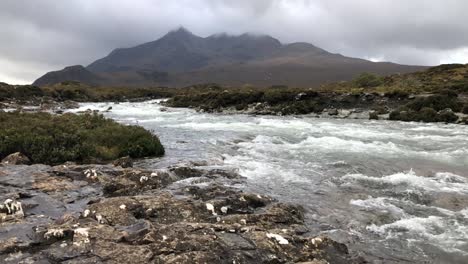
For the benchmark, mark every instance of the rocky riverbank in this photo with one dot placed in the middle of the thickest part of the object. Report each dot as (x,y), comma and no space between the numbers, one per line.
(449,108)
(438,94)
(180,214)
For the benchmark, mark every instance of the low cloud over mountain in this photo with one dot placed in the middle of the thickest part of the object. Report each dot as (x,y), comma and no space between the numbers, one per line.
(419,32)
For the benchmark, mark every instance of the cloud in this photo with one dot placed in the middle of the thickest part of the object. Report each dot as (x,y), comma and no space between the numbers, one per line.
(43,35)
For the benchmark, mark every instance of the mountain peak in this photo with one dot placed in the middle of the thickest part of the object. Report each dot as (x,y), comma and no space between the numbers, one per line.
(74,68)
(181,58)
(180,32)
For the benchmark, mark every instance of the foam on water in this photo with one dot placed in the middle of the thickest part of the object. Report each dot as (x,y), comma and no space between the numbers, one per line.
(383,204)
(447,233)
(417,223)
(440,182)
(352,175)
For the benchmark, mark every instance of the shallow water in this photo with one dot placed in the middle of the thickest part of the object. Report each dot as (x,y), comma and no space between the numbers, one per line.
(397,192)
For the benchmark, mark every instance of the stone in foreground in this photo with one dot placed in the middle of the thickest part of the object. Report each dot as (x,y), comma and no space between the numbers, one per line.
(106,214)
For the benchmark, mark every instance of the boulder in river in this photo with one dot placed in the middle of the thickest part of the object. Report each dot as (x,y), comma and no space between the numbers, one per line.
(373,115)
(333,112)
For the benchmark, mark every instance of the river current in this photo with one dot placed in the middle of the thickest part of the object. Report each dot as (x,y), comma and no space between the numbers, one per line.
(393,192)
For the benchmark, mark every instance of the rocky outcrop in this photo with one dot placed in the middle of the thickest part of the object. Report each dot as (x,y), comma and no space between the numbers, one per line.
(16,159)
(124,162)
(107,214)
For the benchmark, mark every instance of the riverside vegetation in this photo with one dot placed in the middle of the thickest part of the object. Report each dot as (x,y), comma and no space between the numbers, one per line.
(54,139)
(438,94)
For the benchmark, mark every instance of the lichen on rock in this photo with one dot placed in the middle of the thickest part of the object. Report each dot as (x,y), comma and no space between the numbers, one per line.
(117,217)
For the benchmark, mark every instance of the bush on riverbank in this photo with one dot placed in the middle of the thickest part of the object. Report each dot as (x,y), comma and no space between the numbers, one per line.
(82,93)
(425,114)
(368,80)
(20,92)
(436,102)
(52,139)
(436,108)
(79,92)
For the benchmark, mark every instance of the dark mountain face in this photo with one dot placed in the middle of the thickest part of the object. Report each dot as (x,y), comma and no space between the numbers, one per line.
(181,58)
(181,51)
(177,51)
(70,73)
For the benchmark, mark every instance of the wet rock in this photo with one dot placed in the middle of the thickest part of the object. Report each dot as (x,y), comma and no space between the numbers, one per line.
(369,97)
(235,241)
(333,112)
(186,172)
(16,159)
(113,215)
(128,182)
(11,210)
(447,115)
(70,104)
(373,115)
(124,162)
(300,96)
(380,110)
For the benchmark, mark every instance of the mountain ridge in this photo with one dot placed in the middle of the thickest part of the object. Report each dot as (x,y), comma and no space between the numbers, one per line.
(180,58)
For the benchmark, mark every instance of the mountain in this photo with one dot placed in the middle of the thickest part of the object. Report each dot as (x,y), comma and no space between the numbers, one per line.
(70,73)
(181,58)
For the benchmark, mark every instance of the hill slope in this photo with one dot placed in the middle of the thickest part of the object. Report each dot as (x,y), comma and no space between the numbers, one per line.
(181,58)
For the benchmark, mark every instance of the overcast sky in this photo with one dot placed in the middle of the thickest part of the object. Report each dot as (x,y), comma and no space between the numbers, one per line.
(37,36)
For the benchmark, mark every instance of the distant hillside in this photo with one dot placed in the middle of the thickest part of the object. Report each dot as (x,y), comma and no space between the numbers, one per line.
(443,78)
(71,73)
(181,58)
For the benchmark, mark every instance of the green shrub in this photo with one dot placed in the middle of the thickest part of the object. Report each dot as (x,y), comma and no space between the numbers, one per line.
(72,90)
(398,94)
(19,92)
(300,108)
(366,80)
(445,67)
(276,96)
(52,139)
(426,114)
(460,86)
(437,102)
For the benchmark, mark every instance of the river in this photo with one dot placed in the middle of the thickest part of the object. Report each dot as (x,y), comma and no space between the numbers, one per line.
(395,192)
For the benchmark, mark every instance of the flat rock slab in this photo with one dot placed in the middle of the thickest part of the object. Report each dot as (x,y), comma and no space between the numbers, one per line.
(106,214)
